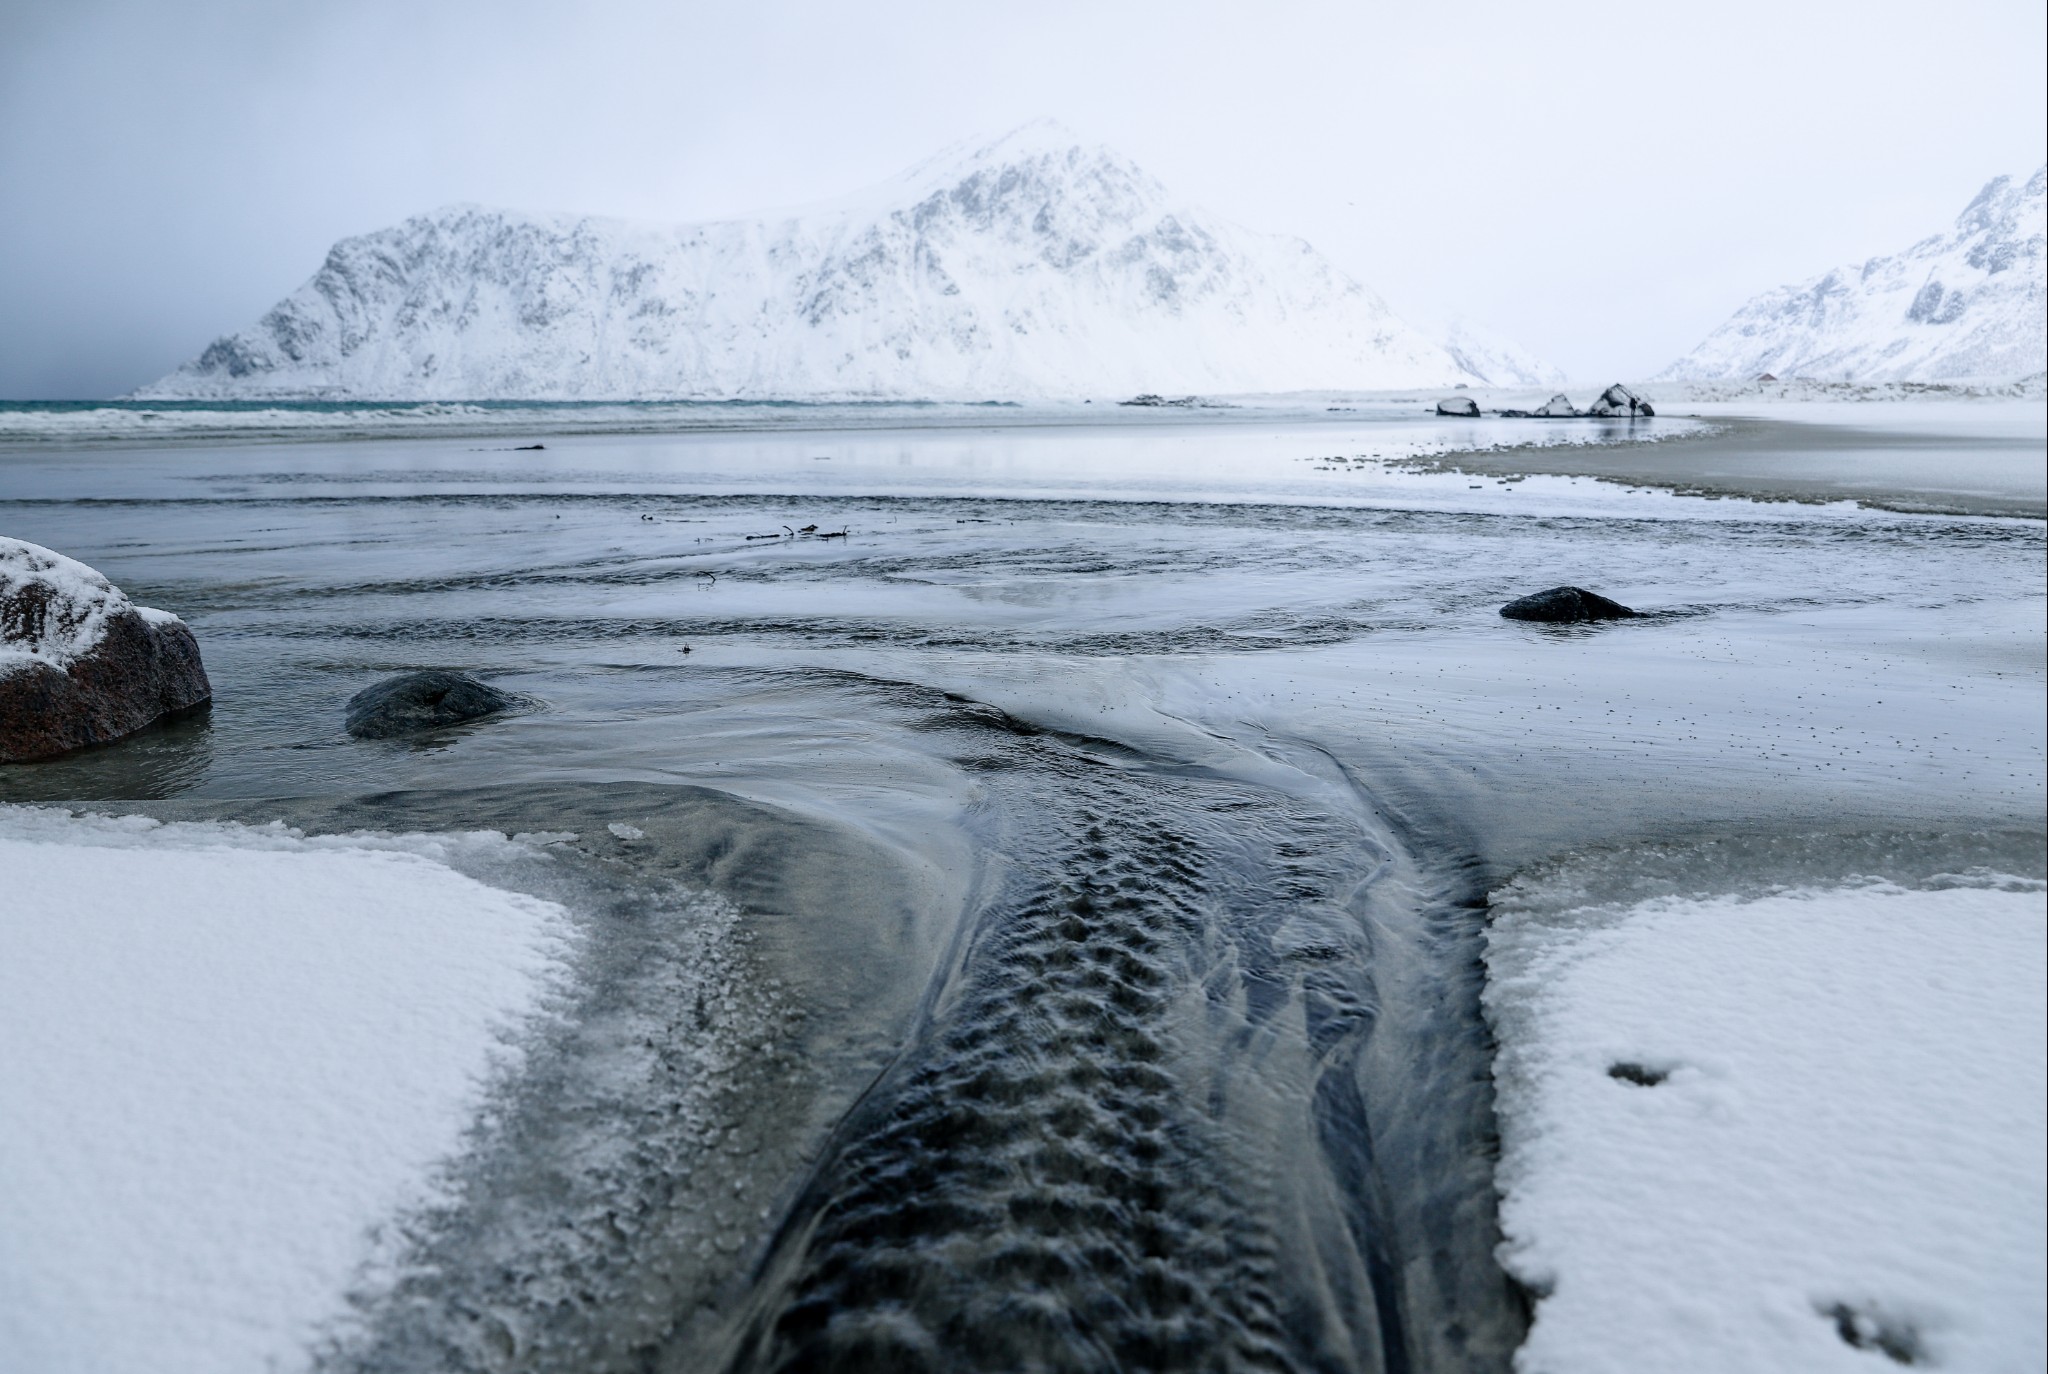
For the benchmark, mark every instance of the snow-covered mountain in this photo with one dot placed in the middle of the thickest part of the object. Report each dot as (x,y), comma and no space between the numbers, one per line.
(1497,361)
(1035,265)
(1965,304)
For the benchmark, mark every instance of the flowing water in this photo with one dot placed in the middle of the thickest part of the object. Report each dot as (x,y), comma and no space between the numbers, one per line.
(1031,917)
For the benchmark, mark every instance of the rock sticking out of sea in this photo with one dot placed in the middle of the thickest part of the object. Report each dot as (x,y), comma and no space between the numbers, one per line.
(412,703)
(80,663)
(1458,405)
(1566,606)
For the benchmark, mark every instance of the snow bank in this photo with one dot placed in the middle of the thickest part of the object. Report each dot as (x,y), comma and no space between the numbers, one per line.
(226,1055)
(1796,1133)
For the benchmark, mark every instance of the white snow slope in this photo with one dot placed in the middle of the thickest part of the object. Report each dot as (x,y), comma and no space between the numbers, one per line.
(1032,266)
(1966,304)
(1496,361)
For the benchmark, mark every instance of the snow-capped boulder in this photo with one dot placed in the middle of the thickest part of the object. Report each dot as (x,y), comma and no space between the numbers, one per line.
(1566,606)
(1619,400)
(430,700)
(1035,265)
(1969,303)
(1458,405)
(1557,407)
(79,662)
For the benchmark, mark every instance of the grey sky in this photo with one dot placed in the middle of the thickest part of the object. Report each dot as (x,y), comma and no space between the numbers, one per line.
(1601,182)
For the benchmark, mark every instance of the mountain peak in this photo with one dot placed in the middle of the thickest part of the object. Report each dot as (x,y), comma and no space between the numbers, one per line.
(1030,264)
(1970,304)
(2000,204)
(1043,146)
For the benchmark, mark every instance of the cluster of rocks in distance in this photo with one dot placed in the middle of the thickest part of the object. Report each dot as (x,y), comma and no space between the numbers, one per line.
(1616,401)
(80,663)
(1182,402)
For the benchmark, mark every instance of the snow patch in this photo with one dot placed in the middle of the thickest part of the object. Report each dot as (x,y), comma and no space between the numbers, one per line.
(227,1055)
(1788,1133)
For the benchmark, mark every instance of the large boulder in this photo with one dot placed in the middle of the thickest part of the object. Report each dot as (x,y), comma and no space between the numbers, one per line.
(1566,606)
(430,700)
(1458,405)
(1619,400)
(79,662)
(1558,407)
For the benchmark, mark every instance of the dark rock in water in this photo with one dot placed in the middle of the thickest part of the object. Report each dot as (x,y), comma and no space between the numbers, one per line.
(1458,405)
(430,700)
(80,663)
(1566,606)
(1558,407)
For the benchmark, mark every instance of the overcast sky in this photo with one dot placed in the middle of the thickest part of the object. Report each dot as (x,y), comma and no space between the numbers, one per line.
(1601,182)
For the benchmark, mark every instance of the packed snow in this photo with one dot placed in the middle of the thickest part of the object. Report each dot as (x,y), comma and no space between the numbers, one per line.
(1797,1133)
(1033,265)
(227,1055)
(54,610)
(1970,303)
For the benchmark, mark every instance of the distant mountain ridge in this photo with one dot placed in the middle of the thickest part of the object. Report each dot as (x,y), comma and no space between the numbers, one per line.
(1967,304)
(1033,265)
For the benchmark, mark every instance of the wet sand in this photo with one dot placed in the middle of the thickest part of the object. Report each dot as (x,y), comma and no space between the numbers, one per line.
(1936,464)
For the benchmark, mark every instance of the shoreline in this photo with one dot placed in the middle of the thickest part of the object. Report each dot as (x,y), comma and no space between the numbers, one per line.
(1746,457)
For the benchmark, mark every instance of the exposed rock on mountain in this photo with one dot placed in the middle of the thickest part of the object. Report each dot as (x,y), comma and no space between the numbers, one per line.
(1965,304)
(1035,265)
(79,662)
